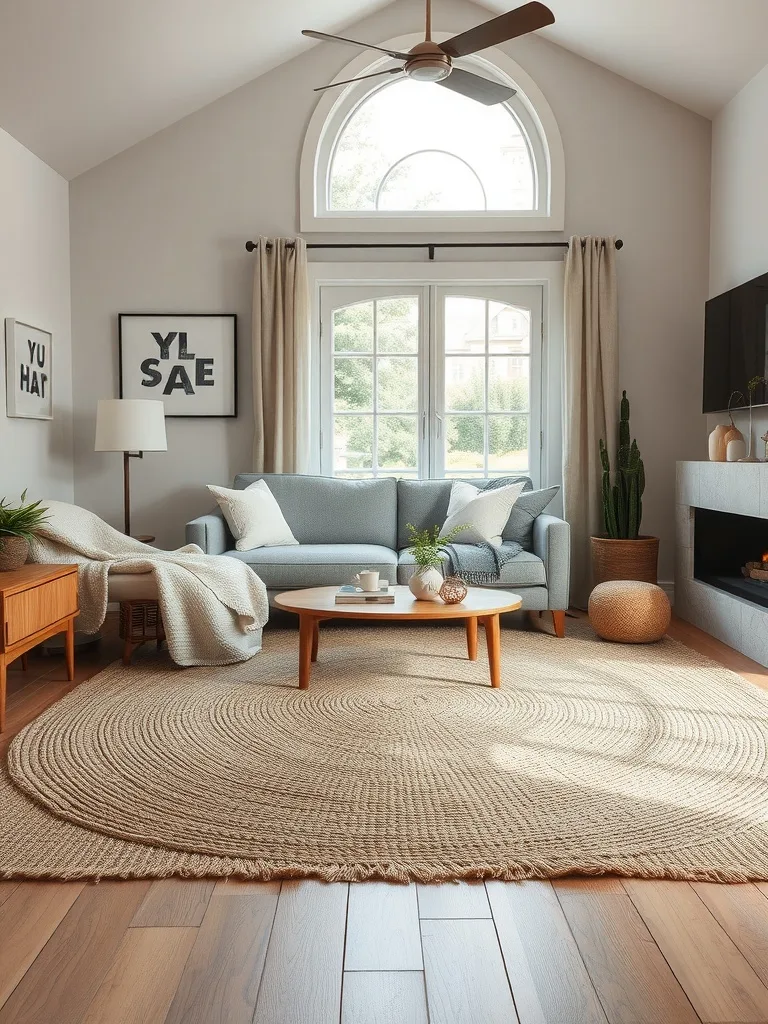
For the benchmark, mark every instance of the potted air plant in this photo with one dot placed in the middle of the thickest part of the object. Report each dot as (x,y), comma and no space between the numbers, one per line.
(425,547)
(622,552)
(18,524)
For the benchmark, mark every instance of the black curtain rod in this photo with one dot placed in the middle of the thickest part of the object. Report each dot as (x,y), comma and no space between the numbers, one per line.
(431,246)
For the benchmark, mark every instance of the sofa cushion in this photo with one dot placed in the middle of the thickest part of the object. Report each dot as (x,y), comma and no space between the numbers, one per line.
(327,510)
(525,511)
(424,503)
(524,570)
(317,565)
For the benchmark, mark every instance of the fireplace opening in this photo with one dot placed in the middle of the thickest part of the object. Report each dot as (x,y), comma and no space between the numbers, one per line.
(730,552)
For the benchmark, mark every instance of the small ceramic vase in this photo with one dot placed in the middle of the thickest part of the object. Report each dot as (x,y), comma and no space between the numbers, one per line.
(736,450)
(718,443)
(425,584)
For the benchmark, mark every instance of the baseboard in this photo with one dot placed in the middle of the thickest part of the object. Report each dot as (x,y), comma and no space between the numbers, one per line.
(668,586)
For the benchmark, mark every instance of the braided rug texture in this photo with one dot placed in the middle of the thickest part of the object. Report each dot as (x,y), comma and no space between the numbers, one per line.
(400,762)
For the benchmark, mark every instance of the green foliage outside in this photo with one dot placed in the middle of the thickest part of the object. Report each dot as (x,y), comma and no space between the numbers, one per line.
(397,392)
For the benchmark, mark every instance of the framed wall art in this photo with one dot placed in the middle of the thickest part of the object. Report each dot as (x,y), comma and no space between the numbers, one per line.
(187,360)
(28,371)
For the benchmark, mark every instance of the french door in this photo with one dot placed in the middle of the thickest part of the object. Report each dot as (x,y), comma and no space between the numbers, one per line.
(430,380)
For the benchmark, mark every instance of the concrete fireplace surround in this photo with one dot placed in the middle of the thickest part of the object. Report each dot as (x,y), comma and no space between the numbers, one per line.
(740,488)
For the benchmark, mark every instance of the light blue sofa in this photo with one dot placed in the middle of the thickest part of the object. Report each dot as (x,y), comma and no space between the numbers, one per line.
(343,526)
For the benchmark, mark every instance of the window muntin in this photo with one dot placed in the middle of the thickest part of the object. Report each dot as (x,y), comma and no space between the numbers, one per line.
(412,147)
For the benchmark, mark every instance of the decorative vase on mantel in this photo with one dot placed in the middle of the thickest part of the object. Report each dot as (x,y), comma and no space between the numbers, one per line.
(724,434)
(425,584)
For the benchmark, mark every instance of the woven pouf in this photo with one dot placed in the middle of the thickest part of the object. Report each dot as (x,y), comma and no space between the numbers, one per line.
(629,612)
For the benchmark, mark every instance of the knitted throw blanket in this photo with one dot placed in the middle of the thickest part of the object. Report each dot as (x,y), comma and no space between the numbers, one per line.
(213,607)
(479,564)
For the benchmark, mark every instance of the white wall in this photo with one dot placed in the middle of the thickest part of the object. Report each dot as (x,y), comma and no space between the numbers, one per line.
(162,227)
(739,241)
(35,288)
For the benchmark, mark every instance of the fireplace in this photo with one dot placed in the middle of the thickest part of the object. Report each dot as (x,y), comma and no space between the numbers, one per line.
(724,543)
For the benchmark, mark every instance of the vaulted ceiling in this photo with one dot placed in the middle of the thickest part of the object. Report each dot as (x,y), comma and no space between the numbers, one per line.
(81,80)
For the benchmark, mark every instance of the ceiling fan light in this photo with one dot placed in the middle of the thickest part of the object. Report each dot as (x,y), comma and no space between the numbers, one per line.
(427,71)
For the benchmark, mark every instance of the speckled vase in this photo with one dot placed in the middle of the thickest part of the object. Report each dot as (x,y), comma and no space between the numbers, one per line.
(425,584)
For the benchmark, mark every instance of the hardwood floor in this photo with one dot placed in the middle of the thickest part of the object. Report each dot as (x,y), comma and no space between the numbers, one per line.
(575,951)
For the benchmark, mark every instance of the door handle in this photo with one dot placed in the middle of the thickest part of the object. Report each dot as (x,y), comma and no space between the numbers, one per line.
(439,419)
(424,426)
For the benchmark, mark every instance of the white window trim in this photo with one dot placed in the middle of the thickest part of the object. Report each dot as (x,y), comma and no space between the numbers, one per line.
(335,106)
(549,275)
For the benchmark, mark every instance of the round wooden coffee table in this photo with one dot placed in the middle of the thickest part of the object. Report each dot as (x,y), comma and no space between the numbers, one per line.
(480,605)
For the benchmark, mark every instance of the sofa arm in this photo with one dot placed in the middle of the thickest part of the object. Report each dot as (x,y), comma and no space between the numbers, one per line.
(552,543)
(210,533)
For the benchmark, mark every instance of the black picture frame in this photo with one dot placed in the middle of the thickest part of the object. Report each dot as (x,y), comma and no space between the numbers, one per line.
(123,320)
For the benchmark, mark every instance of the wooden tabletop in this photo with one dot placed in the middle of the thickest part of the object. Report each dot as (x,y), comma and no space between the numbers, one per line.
(31,575)
(319,602)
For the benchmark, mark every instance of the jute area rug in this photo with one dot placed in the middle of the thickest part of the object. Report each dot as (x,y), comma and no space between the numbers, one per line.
(399,763)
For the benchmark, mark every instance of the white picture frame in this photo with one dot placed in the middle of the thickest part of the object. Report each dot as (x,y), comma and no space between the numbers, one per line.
(186,360)
(28,371)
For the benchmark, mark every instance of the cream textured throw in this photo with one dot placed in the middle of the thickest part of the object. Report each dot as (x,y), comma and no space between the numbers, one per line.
(213,606)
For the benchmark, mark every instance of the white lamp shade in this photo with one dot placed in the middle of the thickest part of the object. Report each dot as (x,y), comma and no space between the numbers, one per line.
(130,425)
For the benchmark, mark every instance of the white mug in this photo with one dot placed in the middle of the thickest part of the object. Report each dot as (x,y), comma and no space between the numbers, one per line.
(368,579)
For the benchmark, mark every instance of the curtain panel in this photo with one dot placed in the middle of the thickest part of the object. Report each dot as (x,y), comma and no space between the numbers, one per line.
(281,354)
(591,394)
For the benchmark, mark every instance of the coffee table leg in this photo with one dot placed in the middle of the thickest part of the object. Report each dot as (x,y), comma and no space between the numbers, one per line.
(472,638)
(315,638)
(493,642)
(306,638)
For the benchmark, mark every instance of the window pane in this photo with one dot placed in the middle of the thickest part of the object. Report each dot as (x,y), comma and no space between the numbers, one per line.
(431,180)
(464,324)
(398,384)
(465,383)
(353,384)
(464,442)
(352,442)
(508,383)
(421,148)
(507,442)
(353,328)
(509,328)
(398,442)
(397,324)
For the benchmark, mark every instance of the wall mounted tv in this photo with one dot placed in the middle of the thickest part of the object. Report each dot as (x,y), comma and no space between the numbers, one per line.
(736,345)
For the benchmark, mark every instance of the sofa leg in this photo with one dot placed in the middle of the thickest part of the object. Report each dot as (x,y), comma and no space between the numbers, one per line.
(558,621)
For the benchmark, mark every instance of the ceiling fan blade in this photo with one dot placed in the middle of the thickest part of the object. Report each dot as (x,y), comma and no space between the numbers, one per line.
(476,88)
(352,42)
(498,30)
(332,85)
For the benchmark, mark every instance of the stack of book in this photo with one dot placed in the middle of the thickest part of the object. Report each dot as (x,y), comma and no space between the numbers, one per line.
(350,594)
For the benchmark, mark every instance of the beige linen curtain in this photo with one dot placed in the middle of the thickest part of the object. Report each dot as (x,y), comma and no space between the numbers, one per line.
(591,393)
(281,356)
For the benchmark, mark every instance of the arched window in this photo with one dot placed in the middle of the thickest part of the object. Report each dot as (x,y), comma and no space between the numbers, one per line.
(399,155)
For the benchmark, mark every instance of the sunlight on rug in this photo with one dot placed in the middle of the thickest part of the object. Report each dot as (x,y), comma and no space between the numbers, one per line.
(400,762)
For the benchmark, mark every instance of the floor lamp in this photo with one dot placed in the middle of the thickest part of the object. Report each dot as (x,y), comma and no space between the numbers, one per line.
(131,426)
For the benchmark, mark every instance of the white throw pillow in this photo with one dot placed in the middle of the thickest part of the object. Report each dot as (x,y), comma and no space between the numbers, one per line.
(484,512)
(253,516)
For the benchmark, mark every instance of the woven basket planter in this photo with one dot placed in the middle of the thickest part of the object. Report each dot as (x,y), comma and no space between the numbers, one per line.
(13,553)
(624,559)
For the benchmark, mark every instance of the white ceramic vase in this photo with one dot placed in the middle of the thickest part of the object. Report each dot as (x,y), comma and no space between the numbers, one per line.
(425,584)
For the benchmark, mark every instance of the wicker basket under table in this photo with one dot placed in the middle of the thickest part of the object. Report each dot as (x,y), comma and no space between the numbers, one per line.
(140,621)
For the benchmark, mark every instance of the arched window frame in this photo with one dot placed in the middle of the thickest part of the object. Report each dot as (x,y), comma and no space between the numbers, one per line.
(530,107)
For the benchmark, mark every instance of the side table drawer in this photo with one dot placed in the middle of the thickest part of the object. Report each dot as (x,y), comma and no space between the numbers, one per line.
(38,607)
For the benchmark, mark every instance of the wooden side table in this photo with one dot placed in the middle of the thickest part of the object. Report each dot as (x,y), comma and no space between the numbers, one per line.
(36,602)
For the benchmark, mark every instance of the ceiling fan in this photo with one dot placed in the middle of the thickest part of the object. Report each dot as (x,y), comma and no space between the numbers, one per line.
(433,62)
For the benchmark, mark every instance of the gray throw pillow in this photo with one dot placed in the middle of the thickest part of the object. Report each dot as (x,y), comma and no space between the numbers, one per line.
(528,506)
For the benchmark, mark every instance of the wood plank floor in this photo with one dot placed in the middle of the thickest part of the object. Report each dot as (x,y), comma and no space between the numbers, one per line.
(576,951)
